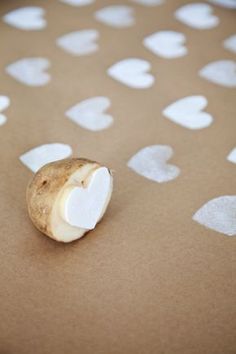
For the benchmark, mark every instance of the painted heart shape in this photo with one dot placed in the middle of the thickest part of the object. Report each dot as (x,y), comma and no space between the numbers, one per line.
(79,42)
(221,72)
(230,43)
(219,214)
(78,2)
(30,71)
(232,156)
(132,72)
(229,4)
(188,113)
(43,154)
(118,16)
(149,2)
(4,104)
(197,15)
(166,44)
(84,207)
(28,18)
(151,162)
(90,115)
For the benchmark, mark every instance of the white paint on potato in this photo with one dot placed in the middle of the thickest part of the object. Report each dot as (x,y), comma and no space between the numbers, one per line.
(84,206)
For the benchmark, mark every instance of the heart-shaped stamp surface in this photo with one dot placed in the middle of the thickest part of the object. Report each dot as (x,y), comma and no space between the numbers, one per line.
(30,71)
(132,72)
(29,18)
(78,2)
(221,72)
(149,2)
(230,43)
(166,44)
(232,156)
(118,16)
(229,4)
(219,214)
(4,104)
(90,114)
(188,113)
(197,15)
(151,162)
(84,206)
(80,42)
(43,154)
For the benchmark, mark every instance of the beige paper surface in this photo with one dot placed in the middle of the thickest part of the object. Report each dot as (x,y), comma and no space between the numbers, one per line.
(148,279)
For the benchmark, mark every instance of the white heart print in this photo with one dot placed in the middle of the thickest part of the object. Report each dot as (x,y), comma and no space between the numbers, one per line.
(4,104)
(188,113)
(149,2)
(30,71)
(219,214)
(232,156)
(230,4)
(78,2)
(26,18)
(230,43)
(84,206)
(166,44)
(197,15)
(221,72)
(90,114)
(43,154)
(79,42)
(118,16)
(132,72)
(151,162)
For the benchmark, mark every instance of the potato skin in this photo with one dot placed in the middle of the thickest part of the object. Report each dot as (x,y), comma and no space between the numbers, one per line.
(44,188)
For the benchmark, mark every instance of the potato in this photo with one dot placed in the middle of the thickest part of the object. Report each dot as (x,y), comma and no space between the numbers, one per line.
(67,198)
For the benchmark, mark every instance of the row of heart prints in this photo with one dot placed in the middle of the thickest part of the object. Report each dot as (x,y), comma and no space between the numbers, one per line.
(151,162)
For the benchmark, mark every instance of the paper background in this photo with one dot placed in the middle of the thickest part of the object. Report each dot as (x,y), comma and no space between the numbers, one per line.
(149,279)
